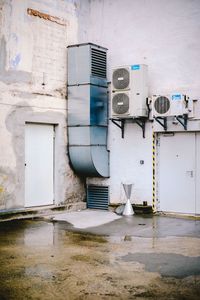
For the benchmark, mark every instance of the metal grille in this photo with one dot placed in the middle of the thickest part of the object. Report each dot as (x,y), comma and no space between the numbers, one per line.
(120,103)
(162,105)
(97,197)
(121,78)
(98,63)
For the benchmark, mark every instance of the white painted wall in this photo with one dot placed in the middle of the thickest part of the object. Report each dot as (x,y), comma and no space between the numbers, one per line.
(165,36)
(162,34)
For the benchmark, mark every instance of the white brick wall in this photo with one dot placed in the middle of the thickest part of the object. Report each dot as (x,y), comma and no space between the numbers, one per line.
(49,53)
(37,44)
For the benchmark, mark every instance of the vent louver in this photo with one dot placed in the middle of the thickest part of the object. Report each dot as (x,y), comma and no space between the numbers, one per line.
(162,105)
(121,78)
(98,63)
(97,197)
(120,103)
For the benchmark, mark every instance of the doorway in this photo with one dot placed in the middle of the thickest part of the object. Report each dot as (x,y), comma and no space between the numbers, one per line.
(179,172)
(39,164)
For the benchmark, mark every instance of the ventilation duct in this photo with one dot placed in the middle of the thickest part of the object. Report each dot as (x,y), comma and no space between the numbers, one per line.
(97,197)
(88,110)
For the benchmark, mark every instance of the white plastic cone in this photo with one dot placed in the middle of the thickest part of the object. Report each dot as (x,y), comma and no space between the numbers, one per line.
(127,189)
(128,209)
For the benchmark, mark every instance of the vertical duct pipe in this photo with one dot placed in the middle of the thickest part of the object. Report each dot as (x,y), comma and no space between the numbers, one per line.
(88,110)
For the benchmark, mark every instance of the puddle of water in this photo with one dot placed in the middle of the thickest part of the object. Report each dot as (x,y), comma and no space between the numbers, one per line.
(167,264)
(86,238)
(42,236)
(41,260)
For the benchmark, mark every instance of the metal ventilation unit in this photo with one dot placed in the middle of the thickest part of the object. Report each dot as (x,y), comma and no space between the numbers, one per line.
(87,64)
(97,197)
(88,110)
(129,92)
(98,62)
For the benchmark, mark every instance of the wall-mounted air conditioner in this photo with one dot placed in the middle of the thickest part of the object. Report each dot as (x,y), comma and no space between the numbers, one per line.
(170,105)
(129,91)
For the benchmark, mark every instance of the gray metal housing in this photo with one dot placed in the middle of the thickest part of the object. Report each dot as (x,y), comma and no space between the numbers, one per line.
(88,110)
(87,64)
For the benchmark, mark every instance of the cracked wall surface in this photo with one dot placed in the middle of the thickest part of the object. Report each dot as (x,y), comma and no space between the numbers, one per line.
(33,74)
(33,77)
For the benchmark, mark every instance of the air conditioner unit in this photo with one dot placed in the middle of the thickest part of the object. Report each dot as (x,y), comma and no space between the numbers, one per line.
(170,105)
(129,91)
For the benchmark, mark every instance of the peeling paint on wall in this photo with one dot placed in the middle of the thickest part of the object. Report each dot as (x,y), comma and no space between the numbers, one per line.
(68,187)
(11,76)
(15,61)
(33,40)
(36,13)
(15,125)
(7,187)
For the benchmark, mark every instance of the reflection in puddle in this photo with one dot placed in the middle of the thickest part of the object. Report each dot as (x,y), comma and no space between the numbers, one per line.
(39,271)
(40,236)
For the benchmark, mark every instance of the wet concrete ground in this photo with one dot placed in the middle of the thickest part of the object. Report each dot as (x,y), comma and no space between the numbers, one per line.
(128,258)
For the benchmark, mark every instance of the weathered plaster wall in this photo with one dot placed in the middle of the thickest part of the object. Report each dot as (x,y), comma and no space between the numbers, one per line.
(33,74)
(165,36)
(33,68)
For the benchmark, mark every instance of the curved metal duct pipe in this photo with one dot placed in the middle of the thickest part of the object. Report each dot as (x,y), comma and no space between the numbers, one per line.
(88,110)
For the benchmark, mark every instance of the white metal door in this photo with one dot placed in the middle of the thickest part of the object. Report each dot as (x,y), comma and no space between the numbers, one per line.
(176,173)
(39,157)
(197,173)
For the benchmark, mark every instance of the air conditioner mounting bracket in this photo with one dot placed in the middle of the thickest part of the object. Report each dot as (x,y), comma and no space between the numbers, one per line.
(139,121)
(121,126)
(164,123)
(183,120)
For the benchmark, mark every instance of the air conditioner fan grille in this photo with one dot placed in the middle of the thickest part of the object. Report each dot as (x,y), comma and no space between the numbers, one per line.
(162,105)
(120,103)
(121,78)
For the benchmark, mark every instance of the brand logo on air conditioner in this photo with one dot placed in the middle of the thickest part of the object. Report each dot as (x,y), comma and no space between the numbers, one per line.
(176,97)
(135,67)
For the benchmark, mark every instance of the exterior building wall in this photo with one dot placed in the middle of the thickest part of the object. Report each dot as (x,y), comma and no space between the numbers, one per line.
(33,75)
(163,35)
(34,35)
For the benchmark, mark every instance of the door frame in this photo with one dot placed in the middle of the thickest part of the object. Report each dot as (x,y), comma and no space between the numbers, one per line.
(37,119)
(54,134)
(158,161)
(197,172)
